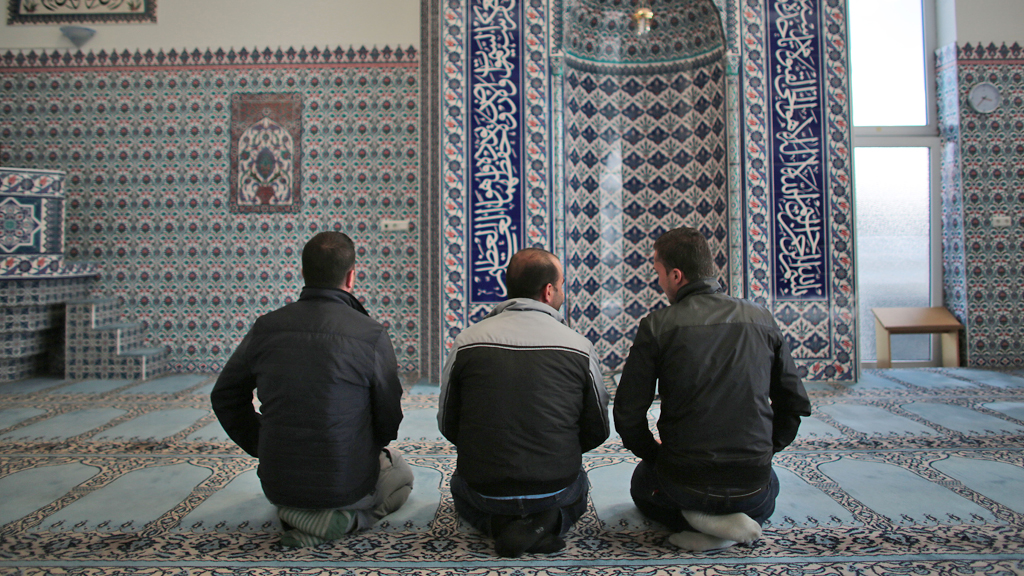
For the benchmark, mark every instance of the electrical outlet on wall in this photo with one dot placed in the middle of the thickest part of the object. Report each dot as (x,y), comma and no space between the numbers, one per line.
(394,225)
(1000,221)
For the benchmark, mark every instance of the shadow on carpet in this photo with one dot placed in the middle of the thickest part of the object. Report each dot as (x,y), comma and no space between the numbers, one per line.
(909,471)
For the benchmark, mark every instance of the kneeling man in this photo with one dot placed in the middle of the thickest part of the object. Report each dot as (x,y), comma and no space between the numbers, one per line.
(730,399)
(326,376)
(522,398)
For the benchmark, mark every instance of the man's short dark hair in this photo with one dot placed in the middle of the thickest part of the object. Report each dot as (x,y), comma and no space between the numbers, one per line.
(686,249)
(529,271)
(326,259)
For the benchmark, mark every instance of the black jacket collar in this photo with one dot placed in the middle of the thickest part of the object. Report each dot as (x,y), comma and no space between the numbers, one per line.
(702,286)
(332,294)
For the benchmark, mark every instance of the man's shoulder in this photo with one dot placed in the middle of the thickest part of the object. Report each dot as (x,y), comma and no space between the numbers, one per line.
(698,309)
(321,316)
(527,329)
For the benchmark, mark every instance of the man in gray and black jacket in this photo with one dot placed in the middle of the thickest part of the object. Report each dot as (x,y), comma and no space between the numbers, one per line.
(522,398)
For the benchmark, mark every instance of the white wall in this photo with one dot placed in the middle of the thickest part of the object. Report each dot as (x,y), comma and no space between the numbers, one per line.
(243,24)
(980,21)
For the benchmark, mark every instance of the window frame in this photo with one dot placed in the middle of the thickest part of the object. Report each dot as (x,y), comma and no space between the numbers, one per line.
(926,136)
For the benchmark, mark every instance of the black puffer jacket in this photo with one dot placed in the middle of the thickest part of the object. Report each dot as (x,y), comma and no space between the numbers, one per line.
(522,398)
(730,393)
(326,376)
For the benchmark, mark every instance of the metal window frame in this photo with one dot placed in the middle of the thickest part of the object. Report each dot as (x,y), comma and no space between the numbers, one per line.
(926,136)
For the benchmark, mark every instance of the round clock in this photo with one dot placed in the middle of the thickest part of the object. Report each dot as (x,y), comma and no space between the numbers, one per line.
(984,98)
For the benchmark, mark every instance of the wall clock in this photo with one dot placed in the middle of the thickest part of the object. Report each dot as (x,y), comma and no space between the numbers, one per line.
(984,98)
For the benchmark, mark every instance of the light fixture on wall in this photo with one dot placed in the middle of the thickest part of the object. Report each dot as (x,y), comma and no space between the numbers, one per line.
(642,18)
(78,35)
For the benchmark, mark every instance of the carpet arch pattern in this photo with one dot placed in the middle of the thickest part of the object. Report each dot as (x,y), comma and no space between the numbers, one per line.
(908,471)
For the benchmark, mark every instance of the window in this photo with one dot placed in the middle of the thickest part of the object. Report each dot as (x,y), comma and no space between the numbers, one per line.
(888,63)
(896,161)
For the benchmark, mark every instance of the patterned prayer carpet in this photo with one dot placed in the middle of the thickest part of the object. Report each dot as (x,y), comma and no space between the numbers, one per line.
(906,472)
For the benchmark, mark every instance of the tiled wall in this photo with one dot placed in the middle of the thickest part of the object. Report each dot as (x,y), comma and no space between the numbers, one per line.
(152,206)
(982,177)
(645,153)
(798,49)
(796,251)
(144,139)
(494,152)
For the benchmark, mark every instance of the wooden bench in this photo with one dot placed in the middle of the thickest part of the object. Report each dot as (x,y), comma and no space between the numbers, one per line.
(935,320)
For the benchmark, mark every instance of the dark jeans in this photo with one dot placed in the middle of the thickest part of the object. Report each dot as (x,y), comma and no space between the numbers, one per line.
(478,510)
(665,503)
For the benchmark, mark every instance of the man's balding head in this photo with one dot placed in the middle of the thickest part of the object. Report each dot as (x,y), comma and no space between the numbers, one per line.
(529,273)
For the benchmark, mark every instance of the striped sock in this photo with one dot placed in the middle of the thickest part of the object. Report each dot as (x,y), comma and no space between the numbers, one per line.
(299,539)
(325,524)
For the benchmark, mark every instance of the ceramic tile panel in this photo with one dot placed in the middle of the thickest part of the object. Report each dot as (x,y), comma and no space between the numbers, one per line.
(645,144)
(144,141)
(953,276)
(645,153)
(32,210)
(982,177)
(618,190)
(495,157)
(796,126)
(32,236)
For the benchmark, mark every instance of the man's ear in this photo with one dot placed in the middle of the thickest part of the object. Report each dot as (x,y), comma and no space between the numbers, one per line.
(547,293)
(350,280)
(678,278)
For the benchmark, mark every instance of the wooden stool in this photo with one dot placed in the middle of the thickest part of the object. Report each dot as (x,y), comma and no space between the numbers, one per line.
(935,320)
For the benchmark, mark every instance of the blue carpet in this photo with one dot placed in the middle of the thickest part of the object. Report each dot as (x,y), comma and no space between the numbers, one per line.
(906,472)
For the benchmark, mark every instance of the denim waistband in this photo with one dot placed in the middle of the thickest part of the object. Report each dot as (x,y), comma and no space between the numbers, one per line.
(524,496)
(722,493)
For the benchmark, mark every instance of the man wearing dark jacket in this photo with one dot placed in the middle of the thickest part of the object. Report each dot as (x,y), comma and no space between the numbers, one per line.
(522,398)
(326,376)
(730,399)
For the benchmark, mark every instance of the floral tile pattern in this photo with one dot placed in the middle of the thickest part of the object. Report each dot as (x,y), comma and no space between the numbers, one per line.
(144,141)
(982,177)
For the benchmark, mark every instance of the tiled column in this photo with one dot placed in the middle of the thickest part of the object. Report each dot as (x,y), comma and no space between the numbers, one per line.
(798,178)
(982,179)
(495,150)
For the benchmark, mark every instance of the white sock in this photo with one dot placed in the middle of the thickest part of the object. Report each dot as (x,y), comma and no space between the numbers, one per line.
(699,542)
(738,527)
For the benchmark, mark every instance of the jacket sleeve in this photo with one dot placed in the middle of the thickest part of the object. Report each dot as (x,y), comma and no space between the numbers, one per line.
(594,428)
(789,399)
(449,400)
(232,400)
(635,394)
(385,392)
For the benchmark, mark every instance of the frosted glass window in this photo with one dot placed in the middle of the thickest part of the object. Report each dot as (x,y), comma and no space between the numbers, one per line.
(892,202)
(888,63)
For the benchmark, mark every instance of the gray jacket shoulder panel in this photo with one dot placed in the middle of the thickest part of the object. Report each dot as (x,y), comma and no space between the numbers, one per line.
(523,322)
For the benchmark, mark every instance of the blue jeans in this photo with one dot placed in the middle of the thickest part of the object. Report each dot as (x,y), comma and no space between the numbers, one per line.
(478,509)
(664,503)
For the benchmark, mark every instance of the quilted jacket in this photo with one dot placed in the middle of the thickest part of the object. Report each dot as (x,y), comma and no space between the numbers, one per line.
(326,377)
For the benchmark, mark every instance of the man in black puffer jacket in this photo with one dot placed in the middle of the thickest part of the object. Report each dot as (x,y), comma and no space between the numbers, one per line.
(326,376)
(522,398)
(730,399)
